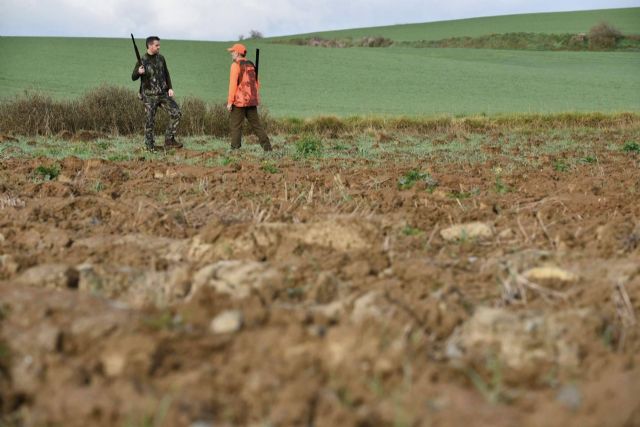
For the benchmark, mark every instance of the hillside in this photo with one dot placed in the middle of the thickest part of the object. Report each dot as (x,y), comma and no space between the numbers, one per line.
(626,20)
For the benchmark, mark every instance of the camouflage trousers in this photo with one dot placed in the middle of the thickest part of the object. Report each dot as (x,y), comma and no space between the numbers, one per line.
(151,104)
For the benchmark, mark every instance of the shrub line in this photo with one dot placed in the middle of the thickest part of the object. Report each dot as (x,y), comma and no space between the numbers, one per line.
(116,111)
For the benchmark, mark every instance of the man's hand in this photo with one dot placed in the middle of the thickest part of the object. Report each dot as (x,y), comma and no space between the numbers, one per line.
(141,70)
(229,107)
(170,93)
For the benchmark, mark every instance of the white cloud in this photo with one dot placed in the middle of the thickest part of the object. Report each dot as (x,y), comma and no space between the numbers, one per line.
(225,20)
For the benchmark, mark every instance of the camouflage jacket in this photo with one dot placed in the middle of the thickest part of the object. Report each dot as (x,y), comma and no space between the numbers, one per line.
(156,79)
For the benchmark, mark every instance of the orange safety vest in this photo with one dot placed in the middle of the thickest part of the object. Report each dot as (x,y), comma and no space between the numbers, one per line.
(243,86)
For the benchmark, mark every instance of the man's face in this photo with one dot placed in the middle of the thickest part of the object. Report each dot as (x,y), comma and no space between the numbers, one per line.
(154,47)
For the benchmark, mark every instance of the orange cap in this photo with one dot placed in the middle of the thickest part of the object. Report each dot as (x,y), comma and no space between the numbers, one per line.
(238,48)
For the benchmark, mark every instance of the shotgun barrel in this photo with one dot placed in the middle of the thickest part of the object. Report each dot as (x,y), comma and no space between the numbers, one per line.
(135,47)
(257,62)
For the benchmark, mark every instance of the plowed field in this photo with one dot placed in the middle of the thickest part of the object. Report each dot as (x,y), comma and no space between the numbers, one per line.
(324,292)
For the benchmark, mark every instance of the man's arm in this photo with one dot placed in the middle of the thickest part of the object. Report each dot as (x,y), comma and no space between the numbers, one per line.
(167,78)
(136,71)
(166,73)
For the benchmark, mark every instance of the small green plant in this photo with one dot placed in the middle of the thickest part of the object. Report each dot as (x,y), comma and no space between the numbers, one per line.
(500,187)
(103,144)
(4,311)
(160,321)
(492,390)
(411,231)
(608,336)
(559,165)
(269,168)
(345,397)
(340,146)
(461,195)
(308,146)
(47,173)
(295,293)
(98,186)
(376,385)
(631,147)
(5,352)
(119,157)
(410,178)
(226,161)
(589,160)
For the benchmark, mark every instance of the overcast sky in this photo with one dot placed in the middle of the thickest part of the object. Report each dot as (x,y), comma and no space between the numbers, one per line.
(226,20)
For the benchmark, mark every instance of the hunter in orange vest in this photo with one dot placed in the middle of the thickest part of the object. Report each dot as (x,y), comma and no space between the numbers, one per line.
(243,98)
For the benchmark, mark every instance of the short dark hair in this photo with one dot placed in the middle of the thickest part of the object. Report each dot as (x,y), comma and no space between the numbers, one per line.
(152,39)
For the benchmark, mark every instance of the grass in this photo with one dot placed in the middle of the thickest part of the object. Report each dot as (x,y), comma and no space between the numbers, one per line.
(562,149)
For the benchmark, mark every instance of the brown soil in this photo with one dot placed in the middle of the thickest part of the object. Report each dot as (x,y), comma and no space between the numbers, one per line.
(344,304)
(7,138)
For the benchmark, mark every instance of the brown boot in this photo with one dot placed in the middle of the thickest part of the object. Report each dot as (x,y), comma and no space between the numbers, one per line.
(172,143)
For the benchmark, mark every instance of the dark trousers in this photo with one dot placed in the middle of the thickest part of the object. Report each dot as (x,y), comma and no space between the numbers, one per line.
(151,104)
(236,120)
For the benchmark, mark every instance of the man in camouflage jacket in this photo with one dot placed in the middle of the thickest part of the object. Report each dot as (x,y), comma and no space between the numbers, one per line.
(156,91)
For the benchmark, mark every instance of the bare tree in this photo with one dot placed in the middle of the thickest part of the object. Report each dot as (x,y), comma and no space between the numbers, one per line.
(603,36)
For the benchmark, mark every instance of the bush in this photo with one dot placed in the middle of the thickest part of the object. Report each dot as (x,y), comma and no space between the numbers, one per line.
(375,42)
(107,109)
(329,126)
(603,36)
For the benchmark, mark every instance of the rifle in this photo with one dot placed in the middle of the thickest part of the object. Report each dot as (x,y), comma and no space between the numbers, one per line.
(135,47)
(257,62)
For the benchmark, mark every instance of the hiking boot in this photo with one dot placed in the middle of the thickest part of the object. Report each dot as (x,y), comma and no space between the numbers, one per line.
(172,143)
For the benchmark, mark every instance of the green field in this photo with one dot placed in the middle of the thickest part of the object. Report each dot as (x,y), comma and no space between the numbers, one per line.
(305,81)
(626,20)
